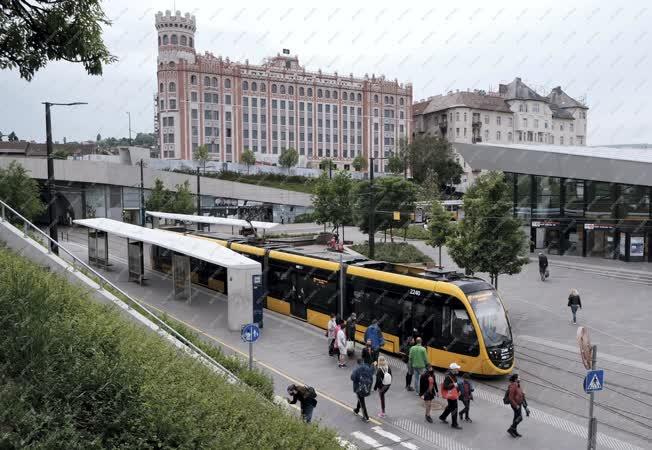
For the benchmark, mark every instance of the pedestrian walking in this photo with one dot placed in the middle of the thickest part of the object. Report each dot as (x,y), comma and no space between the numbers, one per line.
(428,389)
(330,334)
(450,392)
(307,398)
(340,338)
(466,395)
(368,353)
(350,334)
(374,334)
(543,266)
(362,377)
(383,382)
(515,397)
(574,302)
(418,360)
(407,345)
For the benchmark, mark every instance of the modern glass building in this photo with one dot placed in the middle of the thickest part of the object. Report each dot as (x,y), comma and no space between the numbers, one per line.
(581,201)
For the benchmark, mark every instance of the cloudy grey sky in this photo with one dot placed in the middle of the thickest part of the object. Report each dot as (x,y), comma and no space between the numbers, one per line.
(596,50)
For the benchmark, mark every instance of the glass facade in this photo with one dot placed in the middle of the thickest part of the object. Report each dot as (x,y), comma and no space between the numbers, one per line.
(584,217)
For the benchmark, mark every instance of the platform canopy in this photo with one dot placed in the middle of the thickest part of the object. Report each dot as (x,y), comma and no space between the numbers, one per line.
(212,220)
(190,246)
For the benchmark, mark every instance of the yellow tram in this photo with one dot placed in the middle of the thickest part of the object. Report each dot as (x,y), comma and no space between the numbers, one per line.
(461,319)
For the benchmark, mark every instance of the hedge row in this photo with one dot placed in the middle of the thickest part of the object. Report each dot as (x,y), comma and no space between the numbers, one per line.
(76,374)
(394,252)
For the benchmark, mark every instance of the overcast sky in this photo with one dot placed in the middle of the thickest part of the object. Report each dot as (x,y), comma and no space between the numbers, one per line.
(594,50)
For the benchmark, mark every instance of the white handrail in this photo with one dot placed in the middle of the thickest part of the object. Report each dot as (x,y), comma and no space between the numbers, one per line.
(103,280)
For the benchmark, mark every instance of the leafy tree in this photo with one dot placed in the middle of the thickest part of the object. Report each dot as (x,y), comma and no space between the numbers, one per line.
(289,158)
(20,191)
(322,199)
(440,227)
(160,197)
(183,200)
(37,31)
(395,164)
(145,139)
(489,238)
(1,136)
(326,164)
(332,200)
(359,163)
(201,155)
(248,158)
(60,154)
(430,155)
(12,137)
(98,138)
(390,194)
(428,189)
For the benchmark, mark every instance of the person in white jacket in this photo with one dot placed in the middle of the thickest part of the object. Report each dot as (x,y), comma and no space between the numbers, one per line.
(341,344)
(330,334)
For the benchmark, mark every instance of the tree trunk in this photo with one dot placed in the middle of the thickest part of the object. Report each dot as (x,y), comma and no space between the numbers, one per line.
(496,281)
(440,265)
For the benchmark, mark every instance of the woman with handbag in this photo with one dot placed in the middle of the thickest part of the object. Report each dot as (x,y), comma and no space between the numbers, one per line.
(383,382)
(450,392)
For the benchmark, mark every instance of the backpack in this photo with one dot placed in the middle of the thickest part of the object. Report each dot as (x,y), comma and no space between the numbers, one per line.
(387,378)
(506,397)
(310,393)
(364,385)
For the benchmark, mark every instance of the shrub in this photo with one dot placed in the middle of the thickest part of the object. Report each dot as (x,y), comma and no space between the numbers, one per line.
(76,374)
(304,218)
(394,252)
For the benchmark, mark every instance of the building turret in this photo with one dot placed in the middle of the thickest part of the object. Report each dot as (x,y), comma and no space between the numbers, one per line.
(176,37)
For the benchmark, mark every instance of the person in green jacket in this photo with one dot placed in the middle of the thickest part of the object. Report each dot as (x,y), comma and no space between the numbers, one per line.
(417,360)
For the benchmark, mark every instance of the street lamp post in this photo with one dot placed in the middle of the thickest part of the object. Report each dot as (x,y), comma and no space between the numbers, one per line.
(142,195)
(52,217)
(129,114)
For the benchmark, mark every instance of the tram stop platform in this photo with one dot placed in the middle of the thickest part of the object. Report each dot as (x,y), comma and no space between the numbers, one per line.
(292,351)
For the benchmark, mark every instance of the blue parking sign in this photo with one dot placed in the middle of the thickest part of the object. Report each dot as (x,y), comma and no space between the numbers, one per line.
(250,332)
(594,381)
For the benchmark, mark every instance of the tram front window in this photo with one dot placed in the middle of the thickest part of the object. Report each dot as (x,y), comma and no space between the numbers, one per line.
(491,317)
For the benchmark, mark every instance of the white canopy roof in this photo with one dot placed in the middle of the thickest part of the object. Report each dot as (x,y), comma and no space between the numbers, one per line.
(191,246)
(212,220)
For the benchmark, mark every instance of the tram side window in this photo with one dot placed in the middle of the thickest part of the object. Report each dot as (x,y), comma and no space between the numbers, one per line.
(378,301)
(453,329)
(319,288)
(279,283)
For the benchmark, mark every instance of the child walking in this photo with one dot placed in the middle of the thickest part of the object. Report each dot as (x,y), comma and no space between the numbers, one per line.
(466,395)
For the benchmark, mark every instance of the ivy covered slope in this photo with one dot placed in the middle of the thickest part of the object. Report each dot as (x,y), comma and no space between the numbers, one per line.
(75,374)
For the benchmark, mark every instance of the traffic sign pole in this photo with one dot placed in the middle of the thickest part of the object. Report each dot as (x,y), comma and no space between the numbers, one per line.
(251,364)
(593,423)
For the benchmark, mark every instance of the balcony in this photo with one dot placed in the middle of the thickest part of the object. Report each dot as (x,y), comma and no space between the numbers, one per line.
(476,123)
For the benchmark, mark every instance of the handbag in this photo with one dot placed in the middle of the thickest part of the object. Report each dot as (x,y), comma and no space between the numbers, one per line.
(547,273)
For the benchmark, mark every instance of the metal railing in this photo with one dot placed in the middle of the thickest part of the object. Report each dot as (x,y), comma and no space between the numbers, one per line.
(103,281)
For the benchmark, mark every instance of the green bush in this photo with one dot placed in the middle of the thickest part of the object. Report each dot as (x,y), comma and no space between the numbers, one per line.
(304,218)
(394,252)
(76,374)
(415,231)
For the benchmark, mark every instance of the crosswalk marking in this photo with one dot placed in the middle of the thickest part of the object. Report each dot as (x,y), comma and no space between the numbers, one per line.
(394,438)
(369,440)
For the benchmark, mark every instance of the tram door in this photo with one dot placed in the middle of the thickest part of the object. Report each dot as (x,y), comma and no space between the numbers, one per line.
(298,298)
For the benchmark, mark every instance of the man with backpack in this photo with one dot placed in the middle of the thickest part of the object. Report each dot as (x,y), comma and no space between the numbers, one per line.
(450,392)
(307,398)
(515,397)
(362,378)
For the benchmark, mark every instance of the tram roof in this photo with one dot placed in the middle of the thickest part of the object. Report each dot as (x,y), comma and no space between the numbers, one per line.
(212,220)
(214,254)
(615,165)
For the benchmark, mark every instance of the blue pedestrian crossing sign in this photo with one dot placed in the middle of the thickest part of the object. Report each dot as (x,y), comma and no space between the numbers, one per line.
(250,332)
(594,381)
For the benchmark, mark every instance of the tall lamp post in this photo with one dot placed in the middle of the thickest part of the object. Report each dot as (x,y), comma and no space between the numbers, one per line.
(129,114)
(372,209)
(50,181)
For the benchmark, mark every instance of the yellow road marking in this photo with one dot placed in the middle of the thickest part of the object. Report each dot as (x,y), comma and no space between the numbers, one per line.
(267,366)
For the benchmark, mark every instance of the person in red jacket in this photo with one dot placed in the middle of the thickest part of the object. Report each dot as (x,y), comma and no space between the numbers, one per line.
(517,402)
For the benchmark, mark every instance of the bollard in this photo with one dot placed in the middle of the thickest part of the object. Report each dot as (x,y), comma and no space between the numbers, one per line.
(24,228)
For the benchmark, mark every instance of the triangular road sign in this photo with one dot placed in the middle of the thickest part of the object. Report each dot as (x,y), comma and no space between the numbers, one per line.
(595,385)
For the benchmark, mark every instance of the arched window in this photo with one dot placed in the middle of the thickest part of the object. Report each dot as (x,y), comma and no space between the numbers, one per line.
(282,89)
(216,83)
(520,107)
(291,90)
(254,86)
(328,93)
(309,92)
(375,98)
(274,89)
(263,88)
(165,39)
(391,100)
(386,99)
(174,40)
(184,40)
(401,101)
(193,79)
(345,96)
(160,88)
(320,94)
(227,83)
(359,97)
(302,91)
(159,40)
(190,42)
(207,81)
(245,85)
(172,87)
(335,95)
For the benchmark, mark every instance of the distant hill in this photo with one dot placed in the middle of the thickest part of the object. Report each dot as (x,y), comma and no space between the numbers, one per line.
(626,146)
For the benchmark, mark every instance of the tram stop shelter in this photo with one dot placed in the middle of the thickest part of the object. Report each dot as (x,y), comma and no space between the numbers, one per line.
(211,220)
(243,274)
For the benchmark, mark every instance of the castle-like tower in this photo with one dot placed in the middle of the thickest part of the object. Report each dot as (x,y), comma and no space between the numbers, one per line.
(203,99)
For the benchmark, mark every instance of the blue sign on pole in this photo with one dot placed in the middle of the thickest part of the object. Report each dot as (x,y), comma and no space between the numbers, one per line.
(250,332)
(594,381)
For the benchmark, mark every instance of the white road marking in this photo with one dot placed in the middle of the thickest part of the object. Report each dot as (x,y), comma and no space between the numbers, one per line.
(368,440)
(427,434)
(394,437)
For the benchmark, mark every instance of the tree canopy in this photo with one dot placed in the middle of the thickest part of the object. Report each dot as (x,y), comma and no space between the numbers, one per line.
(164,200)
(34,32)
(12,137)
(201,155)
(289,158)
(432,155)
(332,199)
(359,163)
(20,191)
(248,158)
(440,227)
(489,238)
